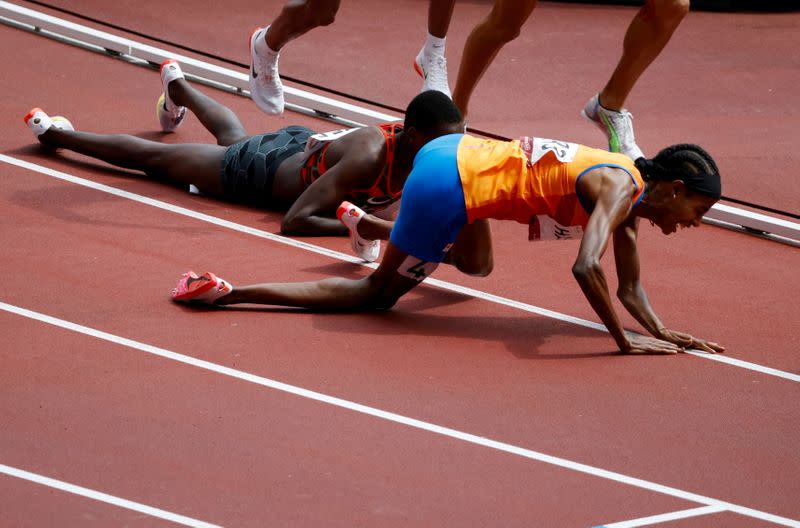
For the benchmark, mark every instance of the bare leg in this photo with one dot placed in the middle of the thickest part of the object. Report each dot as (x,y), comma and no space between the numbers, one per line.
(471,252)
(378,291)
(215,117)
(197,164)
(299,17)
(373,228)
(485,41)
(439,14)
(648,33)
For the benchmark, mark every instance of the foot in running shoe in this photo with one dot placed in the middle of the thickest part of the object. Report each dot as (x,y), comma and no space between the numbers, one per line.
(350,215)
(170,115)
(39,123)
(433,70)
(206,288)
(266,88)
(616,125)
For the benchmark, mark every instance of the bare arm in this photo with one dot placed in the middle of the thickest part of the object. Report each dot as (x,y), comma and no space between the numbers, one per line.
(357,161)
(633,297)
(612,208)
(630,292)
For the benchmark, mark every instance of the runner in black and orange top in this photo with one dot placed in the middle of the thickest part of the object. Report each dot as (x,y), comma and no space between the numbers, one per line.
(294,169)
(560,189)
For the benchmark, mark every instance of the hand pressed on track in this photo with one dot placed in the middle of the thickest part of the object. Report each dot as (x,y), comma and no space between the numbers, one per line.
(685,340)
(638,344)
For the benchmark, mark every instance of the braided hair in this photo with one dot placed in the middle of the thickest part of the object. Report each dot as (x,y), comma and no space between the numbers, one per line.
(686,162)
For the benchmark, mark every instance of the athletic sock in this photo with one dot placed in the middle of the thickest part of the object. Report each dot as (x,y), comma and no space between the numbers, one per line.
(434,45)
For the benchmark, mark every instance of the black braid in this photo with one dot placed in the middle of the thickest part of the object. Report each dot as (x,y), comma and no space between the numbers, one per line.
(686,162)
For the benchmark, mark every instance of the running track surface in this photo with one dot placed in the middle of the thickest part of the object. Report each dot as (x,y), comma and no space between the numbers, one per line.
(116,419)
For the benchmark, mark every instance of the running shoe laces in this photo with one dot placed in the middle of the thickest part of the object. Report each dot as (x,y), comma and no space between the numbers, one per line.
(433,70)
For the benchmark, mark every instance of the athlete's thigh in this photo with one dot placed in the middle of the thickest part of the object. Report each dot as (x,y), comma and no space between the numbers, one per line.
(472,251)
(513,12)
(199,164)
(322,7)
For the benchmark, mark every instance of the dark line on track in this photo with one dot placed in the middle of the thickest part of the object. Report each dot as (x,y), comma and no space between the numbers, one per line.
(330,90)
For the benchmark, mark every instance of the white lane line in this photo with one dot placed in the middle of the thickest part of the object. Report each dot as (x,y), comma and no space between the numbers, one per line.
(397,418)
(664,517)
(103,497)
(348,258)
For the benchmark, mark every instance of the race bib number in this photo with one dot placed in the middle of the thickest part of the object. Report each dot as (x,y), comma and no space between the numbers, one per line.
(316,141)
(537,148)
(416,269)
(543,227)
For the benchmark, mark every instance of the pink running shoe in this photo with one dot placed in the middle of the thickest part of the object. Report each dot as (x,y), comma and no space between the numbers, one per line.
(350,215)
(205,288)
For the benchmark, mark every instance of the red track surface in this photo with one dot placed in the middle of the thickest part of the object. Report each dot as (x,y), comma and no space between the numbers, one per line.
(728,81)
(201,444)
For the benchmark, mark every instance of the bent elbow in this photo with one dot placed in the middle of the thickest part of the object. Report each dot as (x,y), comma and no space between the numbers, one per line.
(291,225)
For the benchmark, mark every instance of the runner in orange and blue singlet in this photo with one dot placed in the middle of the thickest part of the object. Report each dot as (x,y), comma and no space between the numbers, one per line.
(561,190)
(531,180)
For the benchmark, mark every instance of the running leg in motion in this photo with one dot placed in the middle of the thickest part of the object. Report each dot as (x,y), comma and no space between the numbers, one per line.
(430,63)
(484,42)
(647,35)
(297,18)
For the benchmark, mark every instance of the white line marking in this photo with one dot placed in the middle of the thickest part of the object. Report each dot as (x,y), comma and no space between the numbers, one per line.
(664,517)
(397,418)
(76,34)
(103,497)
(132,48)
(349,258)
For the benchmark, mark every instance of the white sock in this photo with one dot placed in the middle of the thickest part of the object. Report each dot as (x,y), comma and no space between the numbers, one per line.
(434,45)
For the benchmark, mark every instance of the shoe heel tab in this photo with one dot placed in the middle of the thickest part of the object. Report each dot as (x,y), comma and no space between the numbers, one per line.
(342,209)
(30,114)
(166,63)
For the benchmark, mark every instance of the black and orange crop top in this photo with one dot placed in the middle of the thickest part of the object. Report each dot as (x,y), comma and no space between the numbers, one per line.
(380,194)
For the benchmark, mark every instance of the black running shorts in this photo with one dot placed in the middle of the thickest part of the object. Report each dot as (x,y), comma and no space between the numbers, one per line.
(249,166)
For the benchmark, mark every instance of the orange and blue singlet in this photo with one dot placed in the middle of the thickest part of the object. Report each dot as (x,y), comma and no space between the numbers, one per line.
(458,179)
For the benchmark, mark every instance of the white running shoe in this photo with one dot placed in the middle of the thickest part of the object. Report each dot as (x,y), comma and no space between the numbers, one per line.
(616,125)
(350,215)
(266,88)
(433,70)
(39,122)
(170,115)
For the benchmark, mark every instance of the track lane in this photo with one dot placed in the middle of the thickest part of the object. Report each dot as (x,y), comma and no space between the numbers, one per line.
(736,70)
(42,207)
